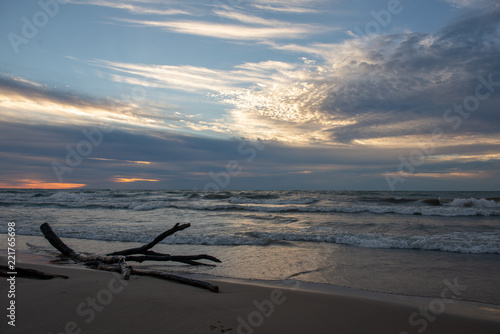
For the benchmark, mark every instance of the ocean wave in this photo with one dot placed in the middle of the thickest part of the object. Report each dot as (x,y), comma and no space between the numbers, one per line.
(458,242)
(67,196)
(148,206)
(273,201)
(474,203)
(220,240)
(444,211)
(432,201)
(261,195)
(386,199)
(437,201)
(455,242)
(256,201)
(376,209)
(218,195)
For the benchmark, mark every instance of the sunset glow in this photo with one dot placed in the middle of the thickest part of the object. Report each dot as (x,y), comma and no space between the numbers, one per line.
(37,184)
(172,93)
(129,180)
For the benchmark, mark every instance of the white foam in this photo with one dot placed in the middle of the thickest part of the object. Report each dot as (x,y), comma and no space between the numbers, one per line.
(377,209)
(473,203)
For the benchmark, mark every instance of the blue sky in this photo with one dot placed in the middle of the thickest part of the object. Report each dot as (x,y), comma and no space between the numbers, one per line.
(257,94)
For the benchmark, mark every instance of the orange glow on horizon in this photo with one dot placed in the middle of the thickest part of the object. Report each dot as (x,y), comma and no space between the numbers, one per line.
(37,184)
(129,180)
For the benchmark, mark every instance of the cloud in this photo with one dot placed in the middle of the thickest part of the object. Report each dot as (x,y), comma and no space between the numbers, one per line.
(21,86)
(342,111)
(185,162)
(447,175)
(245,18)
(296,7)
(286,9)
(123,161)
(198,79)
(120,179)
(367,91)
(27,152)
(23,101)
(251,25)
(38,184)
(231,31)
(188,78)
(134,7)
(380,86)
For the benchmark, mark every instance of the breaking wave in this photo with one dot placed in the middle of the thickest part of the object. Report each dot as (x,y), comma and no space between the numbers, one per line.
(311,202)
(474,203)
(457,242)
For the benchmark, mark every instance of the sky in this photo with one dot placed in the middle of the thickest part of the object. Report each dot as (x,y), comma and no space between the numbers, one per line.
(392,95)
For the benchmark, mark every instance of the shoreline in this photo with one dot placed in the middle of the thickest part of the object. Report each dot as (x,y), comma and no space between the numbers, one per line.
(93,301)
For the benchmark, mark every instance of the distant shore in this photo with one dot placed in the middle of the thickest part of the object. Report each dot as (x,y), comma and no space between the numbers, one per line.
(100,302)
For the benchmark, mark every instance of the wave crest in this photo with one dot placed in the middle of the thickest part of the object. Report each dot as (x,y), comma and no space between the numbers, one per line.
(474,203)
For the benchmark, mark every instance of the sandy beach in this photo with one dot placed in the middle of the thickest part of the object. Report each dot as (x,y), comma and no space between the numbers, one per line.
(92,301)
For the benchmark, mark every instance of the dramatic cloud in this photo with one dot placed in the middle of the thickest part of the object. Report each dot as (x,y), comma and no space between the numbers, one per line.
(370,91)
(273,85)
(386,86)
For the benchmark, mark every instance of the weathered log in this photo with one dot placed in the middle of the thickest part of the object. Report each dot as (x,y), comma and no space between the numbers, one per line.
(28,273)
(158,274)
(55,240)
(179,279)
(65,250)
(103,262)
(189,259)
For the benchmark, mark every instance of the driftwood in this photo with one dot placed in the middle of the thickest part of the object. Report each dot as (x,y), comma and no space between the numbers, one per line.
(146,248)
(148,255)
(28,273)
(106,262)
(158,274)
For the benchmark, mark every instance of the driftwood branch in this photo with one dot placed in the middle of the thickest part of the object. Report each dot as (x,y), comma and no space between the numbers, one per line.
(104,262)
(158,274)
(116,257)
(177,258)
(56,241)
(148,255)
(28,273)
(145,249)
